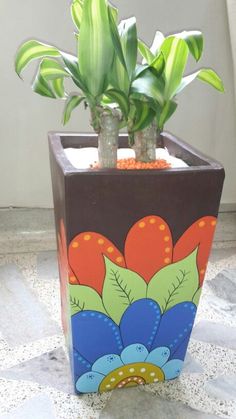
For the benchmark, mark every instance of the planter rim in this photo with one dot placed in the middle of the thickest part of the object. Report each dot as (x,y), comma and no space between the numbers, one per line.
(56,143)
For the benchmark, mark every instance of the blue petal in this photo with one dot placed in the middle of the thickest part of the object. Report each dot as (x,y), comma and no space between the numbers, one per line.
(182,349)
(158,356)
(172,369)
(140,322)
(81,365)
(89,382)
(95,334)
(175,326)
(134,353)
(107,363)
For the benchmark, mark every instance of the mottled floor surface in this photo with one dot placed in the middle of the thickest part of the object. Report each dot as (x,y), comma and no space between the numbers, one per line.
(34,371)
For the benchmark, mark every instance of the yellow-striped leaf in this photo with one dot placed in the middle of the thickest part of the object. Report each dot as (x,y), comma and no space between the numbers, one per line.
(194,40)
(150,86)
(144,115)
(175,51)
(72,102)
(147,55)
(50,70)
(206,75)
(120,98)
(129,42)
(166,112)
(32,50)
(96,49)
(76,12)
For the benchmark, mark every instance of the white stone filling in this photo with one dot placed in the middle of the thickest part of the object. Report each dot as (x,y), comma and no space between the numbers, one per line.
(84,158)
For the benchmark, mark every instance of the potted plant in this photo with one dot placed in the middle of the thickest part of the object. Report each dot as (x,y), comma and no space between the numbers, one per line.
(133,245)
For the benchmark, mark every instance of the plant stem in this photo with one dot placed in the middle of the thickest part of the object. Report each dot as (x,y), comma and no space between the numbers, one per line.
(108,138)
(145,143)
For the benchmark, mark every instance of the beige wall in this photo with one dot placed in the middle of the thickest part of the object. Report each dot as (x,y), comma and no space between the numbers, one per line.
(204,118)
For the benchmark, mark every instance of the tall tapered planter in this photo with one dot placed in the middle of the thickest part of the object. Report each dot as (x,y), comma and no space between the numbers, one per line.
(133,248)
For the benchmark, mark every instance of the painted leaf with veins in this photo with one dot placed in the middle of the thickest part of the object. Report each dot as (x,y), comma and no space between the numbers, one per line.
(175,283)
(84,298)
(121,288)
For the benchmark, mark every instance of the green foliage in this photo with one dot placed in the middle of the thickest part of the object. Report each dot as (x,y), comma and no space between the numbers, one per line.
(84,298)
(106,72)
(175,283)
(121,288)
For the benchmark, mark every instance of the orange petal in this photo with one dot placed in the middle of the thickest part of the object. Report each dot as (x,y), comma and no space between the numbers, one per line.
(148,246)
(86,258)
(199,234)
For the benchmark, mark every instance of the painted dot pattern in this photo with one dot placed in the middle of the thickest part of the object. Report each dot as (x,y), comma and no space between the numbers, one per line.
(132,375)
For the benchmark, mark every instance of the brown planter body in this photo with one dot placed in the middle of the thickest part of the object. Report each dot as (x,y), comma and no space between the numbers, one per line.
(133,248)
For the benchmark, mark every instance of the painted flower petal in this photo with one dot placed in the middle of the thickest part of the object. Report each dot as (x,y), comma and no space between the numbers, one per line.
(89,382)
(199,234)
(81,365)
(107,363)
(148,246)
(95,335)
(158,356)
(86,259)
(140,322)
(175,326)
(182,349)
(134,353)
(172,369)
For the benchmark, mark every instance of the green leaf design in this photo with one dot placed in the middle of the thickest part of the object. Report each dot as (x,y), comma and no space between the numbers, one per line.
(175,283)
(121,288)
(84,298)
(197,296)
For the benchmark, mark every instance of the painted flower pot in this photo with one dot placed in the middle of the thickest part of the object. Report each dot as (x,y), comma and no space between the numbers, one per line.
(133,248)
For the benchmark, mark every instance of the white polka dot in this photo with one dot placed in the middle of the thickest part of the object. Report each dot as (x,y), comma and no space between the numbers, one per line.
(152,374)
(135,378)
(142,369)
(131,370)
(112,379)
(120,385)
(123,382)
(155,380)
(129,379)
(108,386)
(121,373)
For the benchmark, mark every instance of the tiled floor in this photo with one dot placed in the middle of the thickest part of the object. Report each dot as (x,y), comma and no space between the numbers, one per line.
(34,370)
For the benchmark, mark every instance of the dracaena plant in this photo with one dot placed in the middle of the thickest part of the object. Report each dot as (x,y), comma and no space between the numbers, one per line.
(174,51)
(89,70)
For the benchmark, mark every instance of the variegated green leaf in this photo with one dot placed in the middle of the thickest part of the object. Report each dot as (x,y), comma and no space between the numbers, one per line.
(206,75)
(71,63)
(50,70)
(72,102)
(175,51)
(129,42)
(76,12)
(96,49)
(114,11)
(144,115)
(42,87)
(194,40)
(158,64)
(150,86)
(120,98)
(116,38)
(147,55)
(166,112)
(157,43)
(32,50)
